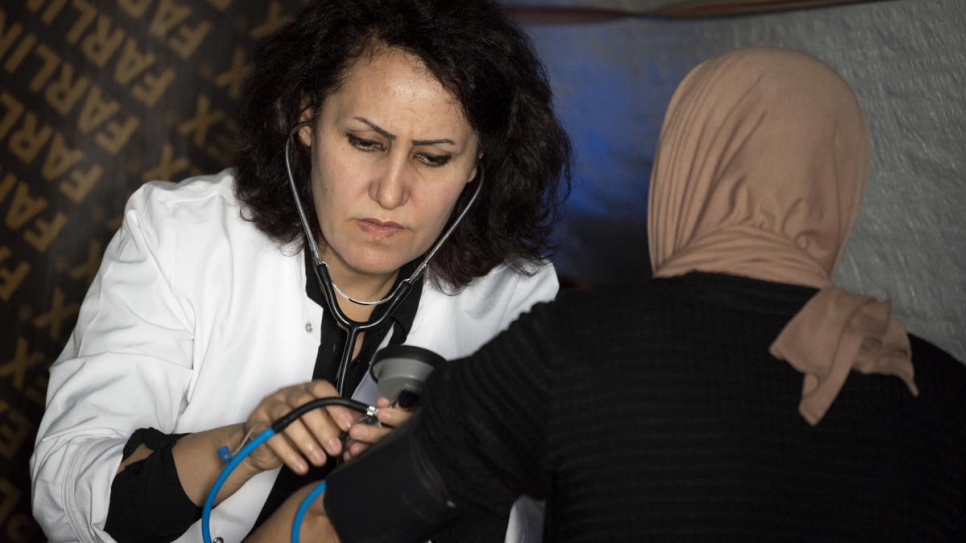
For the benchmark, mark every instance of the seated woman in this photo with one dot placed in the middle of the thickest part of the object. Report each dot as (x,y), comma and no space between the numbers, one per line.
(738,396)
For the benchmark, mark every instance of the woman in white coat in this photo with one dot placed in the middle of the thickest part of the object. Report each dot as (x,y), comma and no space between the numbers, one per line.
(207,319)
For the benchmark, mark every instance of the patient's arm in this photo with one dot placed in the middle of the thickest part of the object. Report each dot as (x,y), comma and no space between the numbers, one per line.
(315,525)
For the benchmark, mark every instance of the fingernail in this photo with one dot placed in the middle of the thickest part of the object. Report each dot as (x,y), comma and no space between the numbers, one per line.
(334,446)
(318,457)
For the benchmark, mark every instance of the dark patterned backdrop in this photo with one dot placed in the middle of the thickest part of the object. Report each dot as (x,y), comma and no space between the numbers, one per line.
(96,97)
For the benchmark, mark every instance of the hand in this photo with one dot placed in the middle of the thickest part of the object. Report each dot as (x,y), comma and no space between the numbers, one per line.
(362,435)
(311,437)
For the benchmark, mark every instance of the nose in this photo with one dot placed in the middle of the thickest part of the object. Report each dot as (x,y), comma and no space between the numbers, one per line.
(390,188)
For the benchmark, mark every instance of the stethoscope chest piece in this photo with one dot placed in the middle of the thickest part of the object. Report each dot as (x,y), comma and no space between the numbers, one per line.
(401,371)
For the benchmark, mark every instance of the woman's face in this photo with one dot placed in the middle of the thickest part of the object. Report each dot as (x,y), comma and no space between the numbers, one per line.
(391,154)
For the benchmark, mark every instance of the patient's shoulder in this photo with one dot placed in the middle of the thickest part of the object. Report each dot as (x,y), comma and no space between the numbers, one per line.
(938,373)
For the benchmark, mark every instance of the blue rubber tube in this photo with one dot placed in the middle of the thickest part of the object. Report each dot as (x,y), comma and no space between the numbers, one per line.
(210,501)
(303,507)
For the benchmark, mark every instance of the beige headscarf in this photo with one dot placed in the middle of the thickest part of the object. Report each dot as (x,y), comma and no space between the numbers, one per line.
(760,170)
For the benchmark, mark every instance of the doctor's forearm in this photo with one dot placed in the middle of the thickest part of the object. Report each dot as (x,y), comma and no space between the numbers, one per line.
(160,486)
(198,463)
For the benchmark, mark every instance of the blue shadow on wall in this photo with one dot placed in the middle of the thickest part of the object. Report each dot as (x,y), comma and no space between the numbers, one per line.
(612,82)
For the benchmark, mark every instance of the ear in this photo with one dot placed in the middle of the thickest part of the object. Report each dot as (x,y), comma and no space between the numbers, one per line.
(307,131)
(476,168)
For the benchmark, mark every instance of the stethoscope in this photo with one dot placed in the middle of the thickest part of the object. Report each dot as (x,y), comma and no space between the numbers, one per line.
(394,299)
(413,361)
(397,369)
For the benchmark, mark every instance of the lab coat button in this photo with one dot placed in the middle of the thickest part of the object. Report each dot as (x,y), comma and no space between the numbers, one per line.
(308,327)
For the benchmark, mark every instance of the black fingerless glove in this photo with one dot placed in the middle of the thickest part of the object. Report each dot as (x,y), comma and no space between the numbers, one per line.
(148,503)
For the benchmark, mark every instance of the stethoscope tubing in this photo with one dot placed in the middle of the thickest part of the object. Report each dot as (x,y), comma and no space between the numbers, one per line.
(223,476)
(264,436)
(303,508)
(355,328)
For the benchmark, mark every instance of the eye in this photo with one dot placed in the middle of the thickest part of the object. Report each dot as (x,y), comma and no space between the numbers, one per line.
(433,161)
(365,145)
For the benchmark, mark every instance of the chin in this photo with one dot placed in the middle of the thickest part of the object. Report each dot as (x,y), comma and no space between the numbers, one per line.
(378,267)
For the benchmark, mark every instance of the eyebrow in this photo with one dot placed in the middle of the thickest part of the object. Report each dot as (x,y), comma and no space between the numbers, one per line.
(390,136)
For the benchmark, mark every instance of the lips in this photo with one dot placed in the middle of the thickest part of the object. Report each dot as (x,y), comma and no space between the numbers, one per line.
(378,228)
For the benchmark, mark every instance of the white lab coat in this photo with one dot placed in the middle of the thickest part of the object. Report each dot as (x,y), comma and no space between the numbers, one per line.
(194,317)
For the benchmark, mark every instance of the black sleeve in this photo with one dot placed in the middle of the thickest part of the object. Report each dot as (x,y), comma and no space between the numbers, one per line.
(148,503)
(477,444)
(390,494)
(487,416)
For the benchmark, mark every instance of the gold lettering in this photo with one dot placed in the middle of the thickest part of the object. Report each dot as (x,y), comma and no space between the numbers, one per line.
(43,234)
(38,392)
(135,8)
(21,362)
(63,94)
(167,16)
(20,53)
(187,39)
(26,142)
(9,182)
(88,269)
(100,45)
(23,207)
(96,111)
(168,167)
(234,76)
(52,11)
(220,5)
(273,22)
(51,61)
(131,63)
(34,5)
(57,315)
(13,432)
(79,184)
(10,280)
(14,110)
(201,122)
(59,159)
(114,224)
(151,87)
(223,149)
(115,136)
(87,15)
(8,35)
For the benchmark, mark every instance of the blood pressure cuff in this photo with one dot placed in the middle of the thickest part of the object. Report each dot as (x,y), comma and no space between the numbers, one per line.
(390,493)
(148,503)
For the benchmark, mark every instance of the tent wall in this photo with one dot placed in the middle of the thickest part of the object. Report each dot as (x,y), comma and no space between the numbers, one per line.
(906,61)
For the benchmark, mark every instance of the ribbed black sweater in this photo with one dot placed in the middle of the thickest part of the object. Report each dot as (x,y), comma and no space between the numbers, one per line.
(656,413)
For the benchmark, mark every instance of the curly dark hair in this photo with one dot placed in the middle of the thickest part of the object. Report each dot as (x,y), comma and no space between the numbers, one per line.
(480,56)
